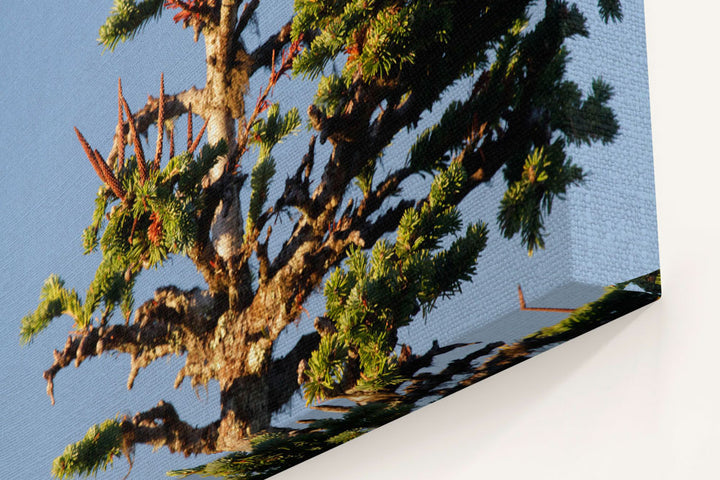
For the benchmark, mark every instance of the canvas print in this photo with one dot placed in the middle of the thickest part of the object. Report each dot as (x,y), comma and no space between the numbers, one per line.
(238,234)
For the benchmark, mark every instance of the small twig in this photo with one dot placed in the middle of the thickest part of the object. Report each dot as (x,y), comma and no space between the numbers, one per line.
(331,408)
(248,10)
(260,106)
(262,55)
(132,231)
(171,140)
(540,309)
(189,127)
(288,56)
(134,370)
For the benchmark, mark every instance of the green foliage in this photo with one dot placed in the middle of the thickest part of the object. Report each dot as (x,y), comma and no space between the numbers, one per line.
(55,300)
(95,452)
(127,299)
(379,38)
(108,287)
(90,240)
(326,366)
(267,133)
(438,217)
(431,151)
(554,100)
(190,172)
(262,174)
(610,9)
(596,121)
(332,92)
(583,121)
(461,257)
(273,453)
(375,295)
(545,176)
(392,38)
(160,220)
(465,123)
(126,19)
(364,180)
(270,131)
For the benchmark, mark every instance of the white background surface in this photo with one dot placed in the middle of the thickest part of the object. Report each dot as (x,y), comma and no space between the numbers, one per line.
(636,399)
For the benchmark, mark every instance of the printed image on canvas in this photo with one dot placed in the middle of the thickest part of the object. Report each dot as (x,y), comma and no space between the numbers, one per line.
(240,233)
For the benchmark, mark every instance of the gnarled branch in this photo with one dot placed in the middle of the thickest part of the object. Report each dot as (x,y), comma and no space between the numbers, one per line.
(245,16)
(262,56)
(161,427)
(282,374)
(160,326)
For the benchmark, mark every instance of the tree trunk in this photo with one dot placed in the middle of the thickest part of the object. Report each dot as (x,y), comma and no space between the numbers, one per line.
(226,228)
(226,84)
(244,353)
(245,410)
(241,353)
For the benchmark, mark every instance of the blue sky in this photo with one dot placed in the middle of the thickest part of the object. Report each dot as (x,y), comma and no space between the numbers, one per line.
(54,77)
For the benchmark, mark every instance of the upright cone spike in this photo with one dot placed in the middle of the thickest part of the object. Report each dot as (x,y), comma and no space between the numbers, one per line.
(120,128)
(160,124)
(139,154)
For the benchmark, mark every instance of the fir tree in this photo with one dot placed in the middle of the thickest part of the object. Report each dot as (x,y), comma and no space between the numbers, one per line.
(379,66)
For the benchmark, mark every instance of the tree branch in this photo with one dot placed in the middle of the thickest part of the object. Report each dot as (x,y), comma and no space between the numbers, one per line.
(282,375)
(227,28)
(306,256)
(245,16)
(374,200)
(161,427)
(425,384)
(163,326)
(262,56)
(385,223)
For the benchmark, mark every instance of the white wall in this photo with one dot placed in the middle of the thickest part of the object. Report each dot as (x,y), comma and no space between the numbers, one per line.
(636,399)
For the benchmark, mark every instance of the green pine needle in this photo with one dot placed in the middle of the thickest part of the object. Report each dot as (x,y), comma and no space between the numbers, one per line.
(126,19)
(260,178)
(55,300)
(545,176)
(272,130)
(95,452)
